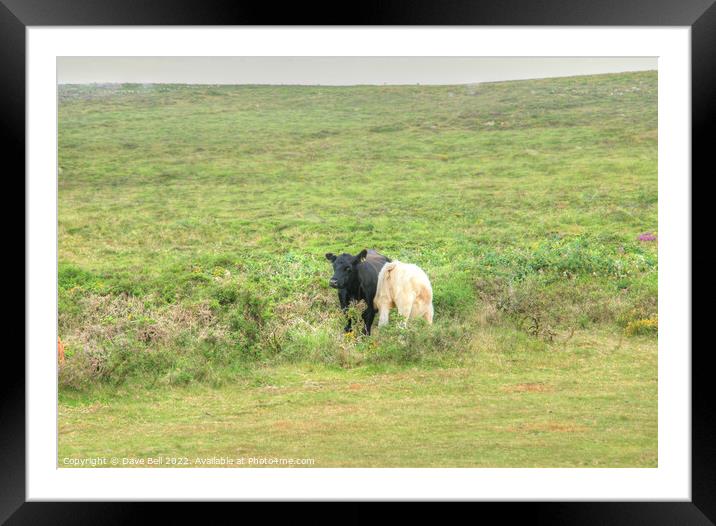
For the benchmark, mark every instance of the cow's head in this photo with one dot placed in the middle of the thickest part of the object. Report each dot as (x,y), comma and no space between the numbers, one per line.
(344,268)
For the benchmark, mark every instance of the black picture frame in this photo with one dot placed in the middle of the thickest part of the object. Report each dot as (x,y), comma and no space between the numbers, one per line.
(700,15)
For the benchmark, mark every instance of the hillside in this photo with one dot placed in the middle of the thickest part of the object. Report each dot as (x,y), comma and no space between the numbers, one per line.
(193,223)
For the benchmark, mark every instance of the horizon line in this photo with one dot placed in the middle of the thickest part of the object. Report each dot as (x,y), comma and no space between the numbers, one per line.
(467,83)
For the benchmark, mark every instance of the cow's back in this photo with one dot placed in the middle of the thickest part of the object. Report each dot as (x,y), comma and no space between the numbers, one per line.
(368,272)
(402,277)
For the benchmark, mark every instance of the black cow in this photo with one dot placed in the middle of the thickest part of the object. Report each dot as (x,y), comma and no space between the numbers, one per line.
(356,278)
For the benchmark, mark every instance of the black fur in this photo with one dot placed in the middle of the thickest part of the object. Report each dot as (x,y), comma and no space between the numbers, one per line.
(356,278)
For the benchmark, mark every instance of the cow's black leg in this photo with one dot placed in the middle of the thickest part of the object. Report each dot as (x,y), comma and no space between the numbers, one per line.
(368,316)
(343,299)
(347,328)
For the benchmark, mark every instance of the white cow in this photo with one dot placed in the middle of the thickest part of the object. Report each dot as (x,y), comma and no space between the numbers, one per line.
(404,286)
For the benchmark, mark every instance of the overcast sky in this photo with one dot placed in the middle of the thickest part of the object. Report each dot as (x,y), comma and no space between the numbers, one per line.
(335,70)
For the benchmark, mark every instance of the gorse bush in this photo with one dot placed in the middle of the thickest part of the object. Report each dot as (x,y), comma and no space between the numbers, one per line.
(455,296)
(569,283)
(560,257)
(642,327)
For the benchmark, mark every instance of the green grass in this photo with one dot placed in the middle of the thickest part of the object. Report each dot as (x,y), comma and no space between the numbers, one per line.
(193,296)
(590,403)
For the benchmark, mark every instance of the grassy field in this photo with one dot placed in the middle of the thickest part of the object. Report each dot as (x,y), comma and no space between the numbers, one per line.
(193,291)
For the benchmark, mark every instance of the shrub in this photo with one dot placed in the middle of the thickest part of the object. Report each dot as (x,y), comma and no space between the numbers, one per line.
(416,341)
(567,283)
(226,295)
(642,327)
(248,320)
(453,295)
(563,257)
(120,336)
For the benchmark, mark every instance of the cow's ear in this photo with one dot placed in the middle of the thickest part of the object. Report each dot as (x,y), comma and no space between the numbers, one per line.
(360,258)
(331,257)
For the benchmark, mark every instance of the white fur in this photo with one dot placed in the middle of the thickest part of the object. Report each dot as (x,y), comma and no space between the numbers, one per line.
(406,287)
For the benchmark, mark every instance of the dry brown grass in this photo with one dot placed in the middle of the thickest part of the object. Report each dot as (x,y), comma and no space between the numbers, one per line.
(548,427)
(527,388)
(131,323)
(108,317)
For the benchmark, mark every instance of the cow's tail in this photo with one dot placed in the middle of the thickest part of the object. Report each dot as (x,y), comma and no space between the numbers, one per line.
(388,267)
(382,292)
